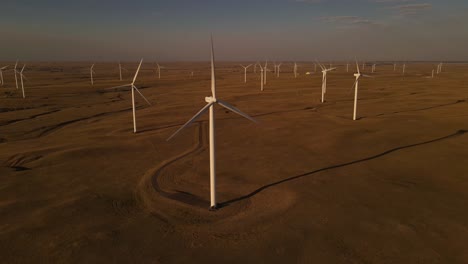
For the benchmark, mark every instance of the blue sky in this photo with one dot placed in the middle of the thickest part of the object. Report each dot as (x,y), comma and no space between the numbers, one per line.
(243,30)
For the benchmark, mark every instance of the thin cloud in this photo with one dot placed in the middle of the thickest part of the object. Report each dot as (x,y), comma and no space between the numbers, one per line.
(411,9)
(349,20)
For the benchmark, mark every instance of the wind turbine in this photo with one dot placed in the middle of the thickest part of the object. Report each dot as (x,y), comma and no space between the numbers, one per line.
(16,78)
(120,71)
(373,68)
(356,86)
(295,70)
(261,78)
(324,79)
(211,101)
(91,71)
(265,70)
(278,70)
(245,71)
(159,70)
(347,67)
(1,74)
(394,66)
(21,77)
(404,69)
(133,88)
(432,73)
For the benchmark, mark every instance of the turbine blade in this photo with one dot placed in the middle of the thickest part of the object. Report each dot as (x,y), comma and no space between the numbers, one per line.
(368,76)
(120,86)
(213,78)
(195,117)
(138,70)
(321,66)
(235,110)
(136,89)
(357,66)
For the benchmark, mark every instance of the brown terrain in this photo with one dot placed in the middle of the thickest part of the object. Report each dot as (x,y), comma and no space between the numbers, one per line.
(307,184)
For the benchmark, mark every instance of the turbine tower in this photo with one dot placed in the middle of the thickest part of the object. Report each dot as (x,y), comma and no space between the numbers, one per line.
(91,71)
(356,86)
(324,79)
(16,78)
(21,77)
(245,71)
(295,70)
(134,88)
(1,74)
(278,70)
(211,101)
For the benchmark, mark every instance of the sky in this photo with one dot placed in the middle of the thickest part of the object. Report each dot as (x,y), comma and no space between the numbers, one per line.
(243,30)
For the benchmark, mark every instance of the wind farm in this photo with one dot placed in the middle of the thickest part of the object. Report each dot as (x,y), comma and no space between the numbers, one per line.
(254,153)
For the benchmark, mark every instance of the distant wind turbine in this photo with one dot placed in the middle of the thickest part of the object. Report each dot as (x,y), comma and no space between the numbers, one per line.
(21,77)
(295,70)
(278,70)
(134,88)
(211,101)
(356,86)
(261,78)
(324,79)
(15,71)
(91,71)
(245,71)
(1,74)
(159,67)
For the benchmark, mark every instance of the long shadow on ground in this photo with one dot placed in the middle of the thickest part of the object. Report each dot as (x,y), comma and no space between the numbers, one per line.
(257,191)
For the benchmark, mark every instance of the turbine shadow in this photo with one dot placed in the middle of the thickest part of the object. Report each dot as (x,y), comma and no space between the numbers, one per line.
(257,191)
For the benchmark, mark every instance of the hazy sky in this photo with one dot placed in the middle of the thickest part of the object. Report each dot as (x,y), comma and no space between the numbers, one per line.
(243,30)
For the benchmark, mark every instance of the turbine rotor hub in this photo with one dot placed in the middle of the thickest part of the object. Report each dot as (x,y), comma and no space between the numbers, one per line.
(210,99)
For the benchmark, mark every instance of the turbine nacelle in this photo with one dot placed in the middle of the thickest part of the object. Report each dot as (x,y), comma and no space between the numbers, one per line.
(210,100)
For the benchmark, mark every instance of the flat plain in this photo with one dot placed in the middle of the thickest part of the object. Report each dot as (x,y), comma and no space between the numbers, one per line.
(307,184)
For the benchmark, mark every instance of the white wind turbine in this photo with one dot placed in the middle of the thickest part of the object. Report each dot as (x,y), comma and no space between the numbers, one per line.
(1,74)
(356,86)
(15,71)
(133,88)
(432,74)
(91,71)
(245,71)
(439,68)
(404,69)
(324,79)
(295,70)
(21,78)
(261,78)
(120,71)
(159,67)
(373,68)
(265,70)
(278,70)
(211,101)
(394,66)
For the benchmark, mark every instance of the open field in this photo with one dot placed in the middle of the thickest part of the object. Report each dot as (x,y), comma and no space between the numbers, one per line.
(307,184)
